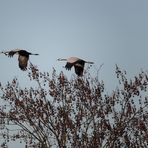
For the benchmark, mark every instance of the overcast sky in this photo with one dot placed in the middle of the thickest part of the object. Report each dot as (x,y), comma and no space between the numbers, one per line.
(103,31)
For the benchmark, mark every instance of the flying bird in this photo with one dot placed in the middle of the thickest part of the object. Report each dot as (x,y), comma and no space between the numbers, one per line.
(23,57)
(77,63)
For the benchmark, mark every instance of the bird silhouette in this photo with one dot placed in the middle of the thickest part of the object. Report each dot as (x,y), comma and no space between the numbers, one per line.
(77,63)
(23,57)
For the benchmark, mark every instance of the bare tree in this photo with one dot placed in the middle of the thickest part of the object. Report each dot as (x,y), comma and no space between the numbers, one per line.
(75,112)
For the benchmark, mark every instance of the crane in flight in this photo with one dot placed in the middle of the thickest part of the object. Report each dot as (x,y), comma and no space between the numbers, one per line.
(23,57)
(77,63)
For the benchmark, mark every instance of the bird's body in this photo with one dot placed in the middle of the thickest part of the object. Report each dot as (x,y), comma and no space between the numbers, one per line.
(23,57)
(77,63)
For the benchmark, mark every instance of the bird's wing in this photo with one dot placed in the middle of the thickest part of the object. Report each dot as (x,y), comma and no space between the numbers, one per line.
(80,62)
(68,66)
(79,69)
(23,62)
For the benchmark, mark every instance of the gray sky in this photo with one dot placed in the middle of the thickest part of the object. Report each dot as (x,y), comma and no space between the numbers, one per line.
(103,31)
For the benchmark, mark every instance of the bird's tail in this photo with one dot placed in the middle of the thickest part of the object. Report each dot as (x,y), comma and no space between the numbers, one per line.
(89,62)
(34,54)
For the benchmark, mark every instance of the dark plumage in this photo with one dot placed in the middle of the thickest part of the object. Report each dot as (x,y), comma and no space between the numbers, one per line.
(23,57)
(77,63)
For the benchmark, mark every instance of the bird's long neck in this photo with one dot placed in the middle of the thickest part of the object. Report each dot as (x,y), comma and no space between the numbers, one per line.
(6,52)
(62,59)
